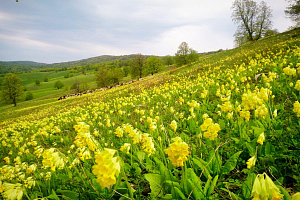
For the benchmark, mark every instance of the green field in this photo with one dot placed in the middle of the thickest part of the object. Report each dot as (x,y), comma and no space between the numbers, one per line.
(224,127)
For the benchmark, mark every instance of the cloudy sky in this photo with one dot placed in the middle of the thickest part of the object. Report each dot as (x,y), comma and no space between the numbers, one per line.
(53,31)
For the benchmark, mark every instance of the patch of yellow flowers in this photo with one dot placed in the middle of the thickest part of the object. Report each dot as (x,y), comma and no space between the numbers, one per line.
(177,152)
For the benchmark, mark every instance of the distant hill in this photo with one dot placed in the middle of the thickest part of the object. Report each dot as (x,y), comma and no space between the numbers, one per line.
(19,66)
(23,66)
(91,61)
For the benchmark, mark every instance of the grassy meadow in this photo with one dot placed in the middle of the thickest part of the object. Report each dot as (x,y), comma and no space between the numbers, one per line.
(224,127)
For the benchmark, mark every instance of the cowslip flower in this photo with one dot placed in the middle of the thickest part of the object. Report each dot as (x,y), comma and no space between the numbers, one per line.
(264,188)
(13,191)
(261,138)
(251,162)
(174,125)
(177,152)
(210,129)
(107,167)
(297,108)
(125,146)
(297,86)
(147,144)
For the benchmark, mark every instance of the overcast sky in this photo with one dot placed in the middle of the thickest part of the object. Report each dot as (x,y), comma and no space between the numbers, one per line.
(52,31)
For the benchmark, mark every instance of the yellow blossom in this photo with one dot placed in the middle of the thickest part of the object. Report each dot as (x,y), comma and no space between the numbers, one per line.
(177,152)
(251,162)
(261,138)
(264,188)
(13,191)
(107,167)
(174,125)
(125,146)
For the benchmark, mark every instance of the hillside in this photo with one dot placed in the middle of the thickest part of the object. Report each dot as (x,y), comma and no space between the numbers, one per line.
(225,127)
(25,66)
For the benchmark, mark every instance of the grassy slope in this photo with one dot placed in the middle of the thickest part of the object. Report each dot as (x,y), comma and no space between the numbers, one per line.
(276,157)
(46,94)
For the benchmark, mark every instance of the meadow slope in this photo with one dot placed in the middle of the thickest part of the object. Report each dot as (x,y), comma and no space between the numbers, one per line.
(225,127)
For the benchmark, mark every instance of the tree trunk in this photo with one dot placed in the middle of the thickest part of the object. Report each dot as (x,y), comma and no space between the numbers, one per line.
(15,102)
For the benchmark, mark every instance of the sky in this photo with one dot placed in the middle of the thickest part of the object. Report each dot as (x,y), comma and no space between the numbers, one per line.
(53,31)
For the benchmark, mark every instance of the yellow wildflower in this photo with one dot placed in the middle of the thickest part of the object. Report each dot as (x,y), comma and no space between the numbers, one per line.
(297,86)
(107,167)
(119,132)
(261,138)
(147,144)
(264,188)
(210,129)
(177,152)
(297,108)
(126,146)
(13,191)
(174,125)
(251,162)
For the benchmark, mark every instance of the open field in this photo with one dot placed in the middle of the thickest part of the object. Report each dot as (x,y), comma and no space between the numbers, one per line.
(203,131)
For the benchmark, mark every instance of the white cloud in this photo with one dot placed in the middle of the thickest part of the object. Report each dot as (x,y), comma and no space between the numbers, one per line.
(59,31)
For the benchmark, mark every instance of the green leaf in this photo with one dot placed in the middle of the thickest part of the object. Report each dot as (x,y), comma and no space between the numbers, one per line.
(141,155)
(286,195)
(53,196)
(257,131)
(167,196)
(68,193)
(155,181)
(207,184)
(231,163)
(212,186)
(269,148)
(197,191)
(177,194)
(192,180)
(248,184)
(251,148)
(201,164)
(222,124)
(236,140)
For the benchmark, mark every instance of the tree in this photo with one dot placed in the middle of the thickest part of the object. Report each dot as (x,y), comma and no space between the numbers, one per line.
(185,55)
(168,60)
(58,84)
(115,76)
(137,66)
(293,11)
(28,96)
(11,88)
(76,85)
(37,82)
(253,20)
(153,65)
(102,77)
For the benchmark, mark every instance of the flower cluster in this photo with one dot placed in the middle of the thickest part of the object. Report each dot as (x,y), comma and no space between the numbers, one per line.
(177,152)
(210,129)
(297,108)
(53,159)
(290,71)
(107,167)
(264,188)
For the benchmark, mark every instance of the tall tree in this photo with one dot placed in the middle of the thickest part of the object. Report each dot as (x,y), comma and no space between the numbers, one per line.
(253,20)
(138,66)
(102,77)
(293,11)
(185,54)
(11,88)
(153,65)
